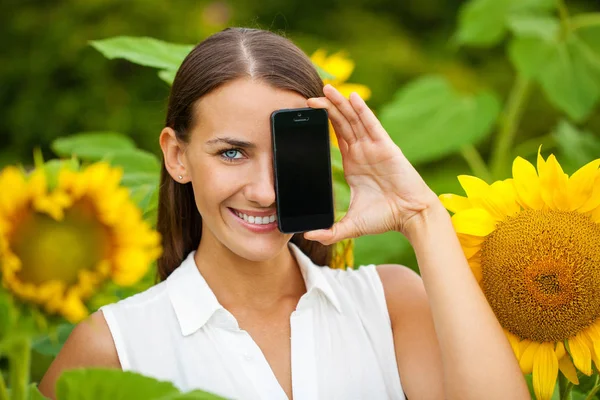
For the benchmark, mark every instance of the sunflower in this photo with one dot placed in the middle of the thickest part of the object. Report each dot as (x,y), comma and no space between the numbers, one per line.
(533,244)
(57,246)
(341,67)
(343,255)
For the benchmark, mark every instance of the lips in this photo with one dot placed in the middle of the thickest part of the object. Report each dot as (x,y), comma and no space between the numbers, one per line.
(255,228)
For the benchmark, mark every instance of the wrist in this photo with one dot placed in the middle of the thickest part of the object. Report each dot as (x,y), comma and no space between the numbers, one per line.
(422,222)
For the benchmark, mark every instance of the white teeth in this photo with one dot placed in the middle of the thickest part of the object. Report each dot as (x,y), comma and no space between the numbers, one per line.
(257,220)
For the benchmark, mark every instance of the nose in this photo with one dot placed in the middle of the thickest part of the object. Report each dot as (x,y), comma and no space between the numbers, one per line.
(261,189)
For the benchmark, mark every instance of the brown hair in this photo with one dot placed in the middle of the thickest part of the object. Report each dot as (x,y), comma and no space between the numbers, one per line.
(225,56)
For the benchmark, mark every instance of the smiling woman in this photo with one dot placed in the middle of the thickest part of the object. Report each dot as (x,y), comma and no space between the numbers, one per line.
(248,312)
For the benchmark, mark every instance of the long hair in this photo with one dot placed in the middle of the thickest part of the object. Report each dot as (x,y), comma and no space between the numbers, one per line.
(223,57)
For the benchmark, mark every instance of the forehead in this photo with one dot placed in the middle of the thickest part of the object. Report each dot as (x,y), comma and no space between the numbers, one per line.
(242,108)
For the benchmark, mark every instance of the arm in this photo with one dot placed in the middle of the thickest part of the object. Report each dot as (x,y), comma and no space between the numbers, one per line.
(477,361)
(416,345)
(90,344)
(387,193)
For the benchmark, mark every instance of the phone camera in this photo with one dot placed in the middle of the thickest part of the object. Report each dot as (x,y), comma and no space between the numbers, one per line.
(299,114)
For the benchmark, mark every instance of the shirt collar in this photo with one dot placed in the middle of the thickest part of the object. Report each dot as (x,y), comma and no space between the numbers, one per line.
(195,303)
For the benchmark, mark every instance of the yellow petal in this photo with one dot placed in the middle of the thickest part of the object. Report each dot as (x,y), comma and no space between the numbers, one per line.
(568,369)
(553,183)
(474,221)
(527,184)
(319,57)
(560,350)
(483,196)
(506,195)
(596,215)
(470,240)
(346,88)
(475,264)
(581,354)
(454,202)
(581,186)
(473,186)
(340,66)
(523,345)
(540,161)
(593,200)
(528,356)
(545,371)
(514,343)
(12,181)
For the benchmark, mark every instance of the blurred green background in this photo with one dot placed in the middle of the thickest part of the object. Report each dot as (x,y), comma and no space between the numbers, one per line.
(54,84)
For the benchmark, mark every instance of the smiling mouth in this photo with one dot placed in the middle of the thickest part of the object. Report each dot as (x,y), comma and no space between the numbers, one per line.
(269,219)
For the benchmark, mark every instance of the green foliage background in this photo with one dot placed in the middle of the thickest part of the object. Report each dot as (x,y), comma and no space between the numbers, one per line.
(462,87)
(55,84)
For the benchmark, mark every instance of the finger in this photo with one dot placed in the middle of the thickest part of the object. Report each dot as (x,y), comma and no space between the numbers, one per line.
(340,124)
(341,230)
(371,123)
(343,104)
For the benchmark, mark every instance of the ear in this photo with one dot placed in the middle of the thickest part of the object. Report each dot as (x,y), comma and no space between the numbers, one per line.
(172,149)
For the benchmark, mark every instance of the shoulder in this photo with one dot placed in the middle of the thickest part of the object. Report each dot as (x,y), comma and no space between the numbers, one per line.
(403,289)
(89,344)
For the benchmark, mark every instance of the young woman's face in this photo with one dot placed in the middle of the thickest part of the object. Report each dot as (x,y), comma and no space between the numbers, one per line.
(231,178)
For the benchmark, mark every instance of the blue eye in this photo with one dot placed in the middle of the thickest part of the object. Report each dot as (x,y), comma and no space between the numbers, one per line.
(229,154)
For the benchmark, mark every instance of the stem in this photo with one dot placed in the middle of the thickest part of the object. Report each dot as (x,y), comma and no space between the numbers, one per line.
(564,16)
(509,123)
(530,146)
(591,395)
(475,162)
(19,363)
(3,392)
(585,20)
(564,387)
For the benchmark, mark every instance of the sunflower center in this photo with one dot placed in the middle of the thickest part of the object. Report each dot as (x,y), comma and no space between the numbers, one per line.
(541,273)
(58,250)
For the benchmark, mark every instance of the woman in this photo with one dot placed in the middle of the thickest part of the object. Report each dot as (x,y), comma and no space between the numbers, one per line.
(252,315)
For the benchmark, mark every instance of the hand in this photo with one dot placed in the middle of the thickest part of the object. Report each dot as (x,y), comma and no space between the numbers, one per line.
(386,192)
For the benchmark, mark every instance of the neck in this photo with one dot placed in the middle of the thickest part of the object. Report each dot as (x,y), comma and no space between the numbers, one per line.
(239,282)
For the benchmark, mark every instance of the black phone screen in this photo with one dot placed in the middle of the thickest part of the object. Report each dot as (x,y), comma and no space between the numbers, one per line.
(302,163)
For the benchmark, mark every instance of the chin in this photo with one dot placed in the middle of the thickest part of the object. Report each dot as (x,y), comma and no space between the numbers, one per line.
(259,251)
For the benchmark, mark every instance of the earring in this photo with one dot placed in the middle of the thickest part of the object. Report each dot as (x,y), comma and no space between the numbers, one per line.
(180,177)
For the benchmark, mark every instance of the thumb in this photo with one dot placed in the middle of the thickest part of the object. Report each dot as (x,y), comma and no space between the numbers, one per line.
(340,230)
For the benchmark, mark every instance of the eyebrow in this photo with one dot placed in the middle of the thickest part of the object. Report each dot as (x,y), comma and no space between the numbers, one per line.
(232,141)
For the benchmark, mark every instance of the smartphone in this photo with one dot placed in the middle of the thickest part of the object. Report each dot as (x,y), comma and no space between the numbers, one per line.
(302,169)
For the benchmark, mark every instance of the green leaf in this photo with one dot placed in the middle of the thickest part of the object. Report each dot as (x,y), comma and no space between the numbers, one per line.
(114,384)
(193,395)
(542,26)
(144,51)
(568,69)
(91,146)
(144,195)
(53,168)
(35,394)
(428,119)
(577,147)
(134,161)
(8,314)
(135,179)
(484,22)
(323,74)
(51,343)
(167,75)
(386,248)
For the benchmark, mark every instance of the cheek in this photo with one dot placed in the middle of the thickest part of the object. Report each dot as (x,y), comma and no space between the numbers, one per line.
(214,183)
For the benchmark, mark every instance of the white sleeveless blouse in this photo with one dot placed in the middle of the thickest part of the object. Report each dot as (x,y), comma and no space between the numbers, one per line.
(341,344)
